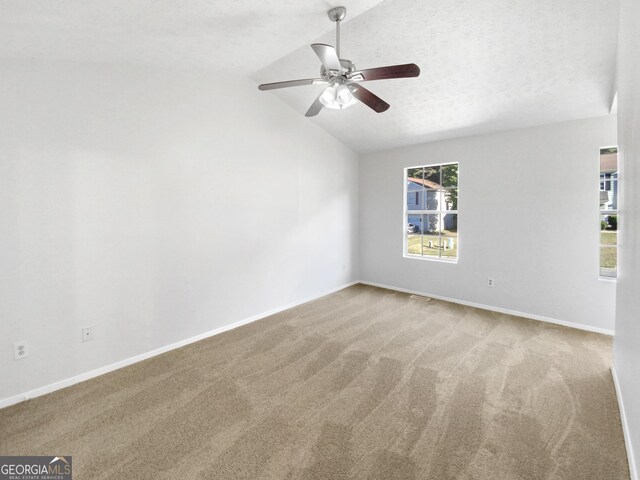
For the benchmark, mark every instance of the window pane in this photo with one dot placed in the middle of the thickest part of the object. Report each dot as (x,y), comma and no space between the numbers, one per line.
(432,176)
(608,260)
(608,238)
(432,199)
(431,238)
(414,173)
(450,247)
(415,197)
(415,186)
(414,244)
(609,179)
(450,175)
(431,245)
(608,229)
(431,224)
(414,223)
(450,224)
(450,199)
(609,198)
(414,234)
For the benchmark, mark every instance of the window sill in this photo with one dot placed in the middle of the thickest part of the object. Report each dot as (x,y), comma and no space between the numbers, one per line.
(430,259)
(608,279)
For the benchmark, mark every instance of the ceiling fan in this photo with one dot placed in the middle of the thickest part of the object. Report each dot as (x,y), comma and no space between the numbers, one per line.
(342,78)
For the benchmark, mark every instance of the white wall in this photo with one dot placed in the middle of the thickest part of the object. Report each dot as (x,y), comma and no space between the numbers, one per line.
(528,218)
(627,338)
(125,195)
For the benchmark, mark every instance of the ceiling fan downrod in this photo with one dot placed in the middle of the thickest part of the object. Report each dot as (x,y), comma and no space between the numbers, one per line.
(336,15)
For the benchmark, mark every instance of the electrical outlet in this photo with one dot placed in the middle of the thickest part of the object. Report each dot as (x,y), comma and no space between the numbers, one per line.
(87,334)
(490,282)
(20,350)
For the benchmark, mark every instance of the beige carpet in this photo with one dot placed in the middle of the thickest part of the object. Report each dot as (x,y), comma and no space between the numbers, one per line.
(364,383)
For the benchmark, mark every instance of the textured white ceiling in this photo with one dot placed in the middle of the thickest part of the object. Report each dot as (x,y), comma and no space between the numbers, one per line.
(486,65)
(202,34)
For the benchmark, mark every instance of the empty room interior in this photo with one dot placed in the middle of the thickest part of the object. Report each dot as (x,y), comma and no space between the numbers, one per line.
(371,239)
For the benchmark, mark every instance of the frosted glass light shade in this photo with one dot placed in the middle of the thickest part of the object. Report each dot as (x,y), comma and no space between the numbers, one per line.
(337,97)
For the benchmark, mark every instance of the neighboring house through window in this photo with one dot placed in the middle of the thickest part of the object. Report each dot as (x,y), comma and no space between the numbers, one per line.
(431,211)
(609,211)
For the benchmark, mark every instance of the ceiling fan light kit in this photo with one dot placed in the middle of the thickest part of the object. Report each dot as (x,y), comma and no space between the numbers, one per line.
(341,77)
(337,96)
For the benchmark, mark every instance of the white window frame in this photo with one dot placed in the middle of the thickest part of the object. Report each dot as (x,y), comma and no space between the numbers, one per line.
(405,213)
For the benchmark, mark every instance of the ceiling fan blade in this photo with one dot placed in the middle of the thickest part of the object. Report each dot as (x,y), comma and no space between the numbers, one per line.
(328,56)
(381,73)
(369,99)
(315,108)
(291,83)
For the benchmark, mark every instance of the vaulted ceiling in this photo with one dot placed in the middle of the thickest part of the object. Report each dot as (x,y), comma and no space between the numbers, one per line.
(487,65)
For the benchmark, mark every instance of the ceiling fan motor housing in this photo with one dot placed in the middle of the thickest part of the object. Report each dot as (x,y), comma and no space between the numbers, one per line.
(347,66)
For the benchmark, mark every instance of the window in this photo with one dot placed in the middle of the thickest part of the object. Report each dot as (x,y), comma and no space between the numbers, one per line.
(431,212)
(608,212)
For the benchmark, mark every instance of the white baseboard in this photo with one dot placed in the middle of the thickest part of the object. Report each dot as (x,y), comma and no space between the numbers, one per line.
(633,471)
(143,356)
(531,316)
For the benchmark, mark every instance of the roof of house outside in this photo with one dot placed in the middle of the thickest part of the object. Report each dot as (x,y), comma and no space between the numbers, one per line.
(609,162)
(425,183)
